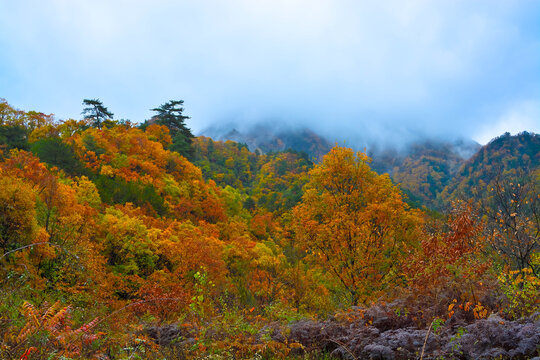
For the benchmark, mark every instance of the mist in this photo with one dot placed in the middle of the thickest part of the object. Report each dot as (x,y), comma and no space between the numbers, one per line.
(387,72)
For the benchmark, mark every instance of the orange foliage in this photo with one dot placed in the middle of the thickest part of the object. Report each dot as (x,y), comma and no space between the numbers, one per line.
(133,155)
(354,224)
(450,256)
(185,248)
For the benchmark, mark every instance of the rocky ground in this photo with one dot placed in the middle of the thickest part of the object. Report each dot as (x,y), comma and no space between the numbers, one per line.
(491,338)
(376,333)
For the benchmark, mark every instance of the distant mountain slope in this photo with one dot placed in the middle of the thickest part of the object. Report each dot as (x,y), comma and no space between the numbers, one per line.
(507,155)
(431,172)
(266,138)
(271,181)
(424,169)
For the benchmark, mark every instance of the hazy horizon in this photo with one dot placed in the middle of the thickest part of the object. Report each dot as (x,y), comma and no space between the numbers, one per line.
(385,70)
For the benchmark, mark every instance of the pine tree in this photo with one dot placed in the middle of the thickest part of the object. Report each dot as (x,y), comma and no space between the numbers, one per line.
(170,115)
(95,111)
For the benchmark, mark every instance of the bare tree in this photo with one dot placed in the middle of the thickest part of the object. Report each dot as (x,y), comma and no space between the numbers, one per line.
(512,209)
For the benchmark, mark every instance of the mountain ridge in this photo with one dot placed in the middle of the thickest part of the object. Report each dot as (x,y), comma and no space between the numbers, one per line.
(429,170)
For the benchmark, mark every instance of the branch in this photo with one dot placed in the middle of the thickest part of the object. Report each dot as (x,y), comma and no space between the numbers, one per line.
(35,244)
(425,340)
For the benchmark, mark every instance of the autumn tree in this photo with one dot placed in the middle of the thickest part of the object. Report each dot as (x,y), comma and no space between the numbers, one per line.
(17,212)
(96,112)
(513,212)
(354,224)
(17,125)
(449,263)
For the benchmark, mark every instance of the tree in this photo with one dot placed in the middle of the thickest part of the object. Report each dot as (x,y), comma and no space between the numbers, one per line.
(449,261)
(354,224)
(513,212)
(54,151)
(96,112)
(170,115)
(13,137)
(17,213)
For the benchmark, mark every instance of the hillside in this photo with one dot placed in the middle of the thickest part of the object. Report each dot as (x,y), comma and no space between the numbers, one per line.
(430,172)
(510,156)
(113,245)
(422,169)
(267,138)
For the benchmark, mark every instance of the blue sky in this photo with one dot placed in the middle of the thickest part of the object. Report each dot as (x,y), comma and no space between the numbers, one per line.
(384,69)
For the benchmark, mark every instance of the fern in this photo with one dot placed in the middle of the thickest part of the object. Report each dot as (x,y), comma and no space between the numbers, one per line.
(32,322)
(31,313)
(50,313)
(54,320)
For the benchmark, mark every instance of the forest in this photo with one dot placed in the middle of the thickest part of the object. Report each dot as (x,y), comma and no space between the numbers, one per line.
(121,240)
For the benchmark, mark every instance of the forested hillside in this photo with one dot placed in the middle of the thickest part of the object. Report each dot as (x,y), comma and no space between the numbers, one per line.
(274,137)
(125,241)
(422,168)
(505,157)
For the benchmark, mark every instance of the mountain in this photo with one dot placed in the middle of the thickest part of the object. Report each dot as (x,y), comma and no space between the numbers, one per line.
(425,168)
(431,172)
(267,138)
(422,168)
(508,156)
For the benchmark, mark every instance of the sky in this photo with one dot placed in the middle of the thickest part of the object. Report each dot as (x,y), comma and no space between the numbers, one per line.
(372,69)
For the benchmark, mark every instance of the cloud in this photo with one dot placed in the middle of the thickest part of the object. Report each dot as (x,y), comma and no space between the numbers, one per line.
(517,118)
(386,69)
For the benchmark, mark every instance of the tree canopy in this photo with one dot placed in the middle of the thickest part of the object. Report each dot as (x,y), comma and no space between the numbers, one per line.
(116,237)
(354,223)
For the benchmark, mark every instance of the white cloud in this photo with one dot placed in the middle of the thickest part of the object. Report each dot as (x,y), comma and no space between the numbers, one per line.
(418,65)
(522,116)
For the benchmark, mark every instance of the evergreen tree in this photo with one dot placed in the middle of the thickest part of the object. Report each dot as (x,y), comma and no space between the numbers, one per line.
(170,115)
(95,111)
(13,137)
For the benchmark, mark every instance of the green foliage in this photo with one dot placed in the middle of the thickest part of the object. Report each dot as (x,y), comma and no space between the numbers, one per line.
(199,301)
(234,201)
(55,152)
(182,145)
(521,289)
(437,324)
(454,341)
(119,191)
(13,137)
(91,145)
(171,115)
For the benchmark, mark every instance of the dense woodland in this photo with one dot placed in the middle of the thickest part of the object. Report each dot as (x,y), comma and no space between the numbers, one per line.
(127,241)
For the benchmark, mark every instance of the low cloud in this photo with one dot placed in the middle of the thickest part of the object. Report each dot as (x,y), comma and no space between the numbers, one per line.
(517,118)
(388,70)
